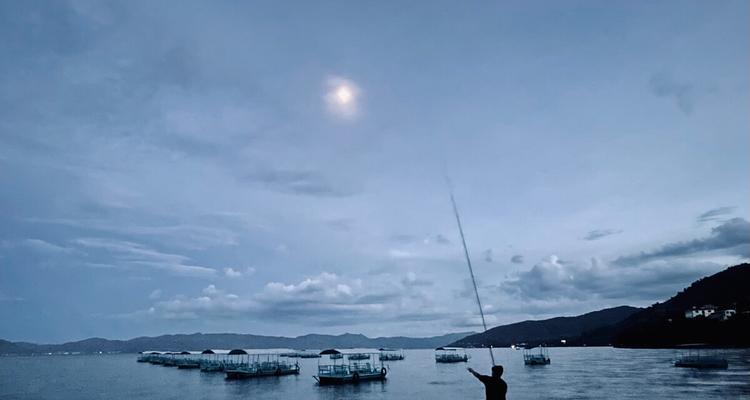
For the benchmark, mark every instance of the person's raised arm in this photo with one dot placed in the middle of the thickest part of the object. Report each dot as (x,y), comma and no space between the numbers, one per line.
(475,373)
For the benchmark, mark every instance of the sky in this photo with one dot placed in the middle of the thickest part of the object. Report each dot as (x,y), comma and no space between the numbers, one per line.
(279,168)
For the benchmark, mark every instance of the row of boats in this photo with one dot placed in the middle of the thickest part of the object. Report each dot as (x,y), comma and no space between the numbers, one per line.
(458,354)
(334,367)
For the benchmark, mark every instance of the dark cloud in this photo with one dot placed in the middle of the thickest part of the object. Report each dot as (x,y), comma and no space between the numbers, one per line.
(552,280)
(664,85)
(487,255)
(404,238)
(298,182)
(716,214)
(517,259)
(600,233)
(733,237)
(440,239)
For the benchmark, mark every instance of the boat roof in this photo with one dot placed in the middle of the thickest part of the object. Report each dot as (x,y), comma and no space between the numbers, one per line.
(329,351)
(150,352)
(449,348)
(214,351)
(694,345)
(236,352)
(387,349)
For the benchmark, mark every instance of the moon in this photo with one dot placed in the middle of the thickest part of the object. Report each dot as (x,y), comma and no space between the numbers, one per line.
(342,97)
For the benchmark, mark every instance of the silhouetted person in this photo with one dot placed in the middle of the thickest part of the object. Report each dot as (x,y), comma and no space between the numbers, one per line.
(494,386)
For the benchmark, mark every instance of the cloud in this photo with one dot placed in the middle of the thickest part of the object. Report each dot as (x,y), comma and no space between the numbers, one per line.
(551,280)
(411,280)
(664,85)
(46,247)
(731,237)
(324,298)
(517,259)
(297,182)
(4,298)
(155,294)
(232,273)
(135,254)
(437,239)
(716,214)
(600,233)
(186,235)
(487,256)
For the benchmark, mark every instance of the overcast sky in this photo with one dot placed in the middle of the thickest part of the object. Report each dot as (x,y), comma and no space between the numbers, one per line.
(279,168)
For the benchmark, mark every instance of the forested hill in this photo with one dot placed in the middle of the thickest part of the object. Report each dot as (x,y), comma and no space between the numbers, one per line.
(549,331)
(665,325)
(200,341)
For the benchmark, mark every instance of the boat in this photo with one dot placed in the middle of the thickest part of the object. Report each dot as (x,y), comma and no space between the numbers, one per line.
(258,365)
(390,354)
(531,357)
(148,356)
(210,361)
(185,361)
(334,370)
(698,356)
(301,354)
(169,359)
(451,355)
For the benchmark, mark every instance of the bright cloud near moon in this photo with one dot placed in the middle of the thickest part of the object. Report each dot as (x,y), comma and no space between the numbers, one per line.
(341,97)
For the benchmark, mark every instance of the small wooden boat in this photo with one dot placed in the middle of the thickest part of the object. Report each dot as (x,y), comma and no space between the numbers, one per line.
(391,355)
(536,358)
(336,371)
(451,355)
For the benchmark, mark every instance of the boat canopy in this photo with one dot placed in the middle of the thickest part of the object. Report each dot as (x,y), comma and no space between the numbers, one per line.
(449,348)
(214,351)
(329,351)
(386,349)
(236,352)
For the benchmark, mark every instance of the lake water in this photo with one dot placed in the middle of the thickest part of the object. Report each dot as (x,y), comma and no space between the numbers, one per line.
(575,373)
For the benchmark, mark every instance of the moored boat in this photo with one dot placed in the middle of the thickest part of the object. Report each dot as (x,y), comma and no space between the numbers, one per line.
(451,355)
(536,358)
(335,370)
(390,354)
(253,365)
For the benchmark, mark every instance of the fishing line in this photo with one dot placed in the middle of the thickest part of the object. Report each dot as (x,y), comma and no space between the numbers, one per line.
(468,262)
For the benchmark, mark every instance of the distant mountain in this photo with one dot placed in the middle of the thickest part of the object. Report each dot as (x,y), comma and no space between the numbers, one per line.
(549,331)
(200,341)
(665,325)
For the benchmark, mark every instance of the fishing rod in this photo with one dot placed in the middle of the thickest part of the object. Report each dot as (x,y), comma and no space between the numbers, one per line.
(468,262)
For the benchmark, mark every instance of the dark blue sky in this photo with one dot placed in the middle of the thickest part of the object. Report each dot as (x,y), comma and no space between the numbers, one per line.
(278,168)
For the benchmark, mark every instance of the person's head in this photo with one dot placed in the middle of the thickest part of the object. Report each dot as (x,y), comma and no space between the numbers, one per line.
(497,371)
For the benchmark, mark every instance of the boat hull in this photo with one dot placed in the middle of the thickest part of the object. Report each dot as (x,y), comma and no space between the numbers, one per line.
(345,379)
(240,374)
(536,362)
(189,366)
(452,360)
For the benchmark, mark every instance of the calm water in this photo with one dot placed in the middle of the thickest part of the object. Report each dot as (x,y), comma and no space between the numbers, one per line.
(575,373)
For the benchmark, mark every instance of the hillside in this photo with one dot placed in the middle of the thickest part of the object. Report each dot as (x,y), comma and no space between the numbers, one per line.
(549,331)
(665,325)
(200,341)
